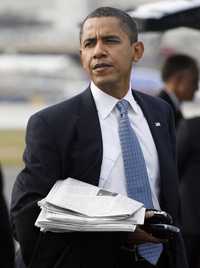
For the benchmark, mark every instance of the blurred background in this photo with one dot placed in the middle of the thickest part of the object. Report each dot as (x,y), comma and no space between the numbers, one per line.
(39,64)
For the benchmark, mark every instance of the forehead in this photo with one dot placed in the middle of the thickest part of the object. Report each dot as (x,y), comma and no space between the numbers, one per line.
(102,26)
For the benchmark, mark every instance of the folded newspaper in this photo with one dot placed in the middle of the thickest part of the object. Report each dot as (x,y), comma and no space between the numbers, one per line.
(73,205)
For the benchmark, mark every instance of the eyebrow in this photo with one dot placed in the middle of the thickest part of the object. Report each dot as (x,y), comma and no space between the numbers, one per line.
(106,37)
(111,36)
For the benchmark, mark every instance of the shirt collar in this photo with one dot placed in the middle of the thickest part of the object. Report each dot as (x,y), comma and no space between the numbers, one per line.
(106,103)
(130,98)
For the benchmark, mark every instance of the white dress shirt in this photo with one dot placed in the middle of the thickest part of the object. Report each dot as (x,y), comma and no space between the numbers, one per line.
(112,176)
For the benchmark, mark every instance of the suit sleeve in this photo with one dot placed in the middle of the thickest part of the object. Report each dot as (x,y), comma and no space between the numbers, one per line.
(42,169)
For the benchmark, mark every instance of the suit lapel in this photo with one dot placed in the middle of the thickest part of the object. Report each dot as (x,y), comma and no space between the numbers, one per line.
(159,131)
(89,140)
(153,118)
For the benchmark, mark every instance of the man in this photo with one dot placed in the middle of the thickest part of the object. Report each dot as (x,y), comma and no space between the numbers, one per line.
(79,138)
(188,150)
(180,74)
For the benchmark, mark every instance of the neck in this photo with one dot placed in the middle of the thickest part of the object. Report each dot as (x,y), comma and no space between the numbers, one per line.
(171,88)
(115,91)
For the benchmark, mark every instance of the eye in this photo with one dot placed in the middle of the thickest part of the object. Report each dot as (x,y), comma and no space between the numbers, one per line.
(89,43)
(112,40)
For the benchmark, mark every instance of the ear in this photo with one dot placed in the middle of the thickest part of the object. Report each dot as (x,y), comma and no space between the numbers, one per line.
(138,50)
(178,77)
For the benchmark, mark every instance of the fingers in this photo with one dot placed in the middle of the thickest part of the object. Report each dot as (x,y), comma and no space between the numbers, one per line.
(149,214)
(140,236)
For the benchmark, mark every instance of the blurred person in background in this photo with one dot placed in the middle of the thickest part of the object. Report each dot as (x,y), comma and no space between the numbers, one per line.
(79,138)
(180,74)
(188,149)
(7,245)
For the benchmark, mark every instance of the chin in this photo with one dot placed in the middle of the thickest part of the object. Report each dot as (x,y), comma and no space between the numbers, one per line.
(103,82)
(104,85)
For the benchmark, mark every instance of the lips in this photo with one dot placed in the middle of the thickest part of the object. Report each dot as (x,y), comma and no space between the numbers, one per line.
(99,66)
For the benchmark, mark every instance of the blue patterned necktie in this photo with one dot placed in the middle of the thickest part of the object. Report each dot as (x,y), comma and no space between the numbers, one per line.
(137,181)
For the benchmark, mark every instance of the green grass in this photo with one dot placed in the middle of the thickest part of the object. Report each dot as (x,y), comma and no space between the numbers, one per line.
(11,147)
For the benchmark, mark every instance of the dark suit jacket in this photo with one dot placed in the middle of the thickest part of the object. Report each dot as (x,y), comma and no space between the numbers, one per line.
(178,116)
(188,145)
(65,140)
(6,240)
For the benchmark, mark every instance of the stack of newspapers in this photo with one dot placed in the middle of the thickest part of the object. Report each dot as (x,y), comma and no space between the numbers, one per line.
(73,205)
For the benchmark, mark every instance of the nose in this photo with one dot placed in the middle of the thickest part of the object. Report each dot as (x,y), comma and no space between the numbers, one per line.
(99,50)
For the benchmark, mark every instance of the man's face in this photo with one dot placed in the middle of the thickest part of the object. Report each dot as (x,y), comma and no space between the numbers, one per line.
(107,53)
(188,85)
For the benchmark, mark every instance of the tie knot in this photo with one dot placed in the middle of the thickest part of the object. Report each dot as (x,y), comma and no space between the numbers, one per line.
(122,106)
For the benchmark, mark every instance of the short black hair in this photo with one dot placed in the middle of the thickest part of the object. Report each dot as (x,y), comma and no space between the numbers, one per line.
(127,23)
(177,63)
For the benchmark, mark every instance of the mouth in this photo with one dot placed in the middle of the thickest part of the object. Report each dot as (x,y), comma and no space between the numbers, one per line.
(101,66)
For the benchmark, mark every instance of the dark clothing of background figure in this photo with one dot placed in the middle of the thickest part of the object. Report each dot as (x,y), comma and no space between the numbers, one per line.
(7,245)
(178,116)
(65,141)
(188,148)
